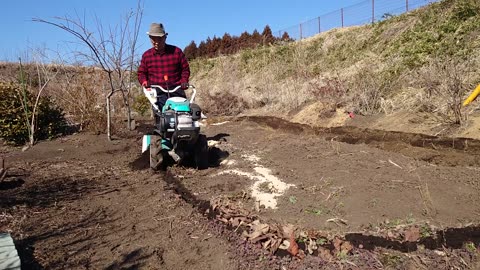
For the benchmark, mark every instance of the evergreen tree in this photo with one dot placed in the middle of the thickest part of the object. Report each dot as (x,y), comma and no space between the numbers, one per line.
(267,36)
(226,46)
(255,39)
(191,51)
(243,41)
(215,46)
(202,49)
(286,37)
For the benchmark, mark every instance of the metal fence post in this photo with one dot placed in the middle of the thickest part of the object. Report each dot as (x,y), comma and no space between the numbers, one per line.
(341,11)
(300,31)
(373,11)
(319,26)
(406,5)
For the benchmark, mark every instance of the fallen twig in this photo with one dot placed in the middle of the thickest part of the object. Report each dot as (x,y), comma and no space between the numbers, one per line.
(351,263)
(170,230)
(160,219)
(241,223)
(108,191)
(337,220)
(206,238)
(3,171)
(395,164)
(463,261)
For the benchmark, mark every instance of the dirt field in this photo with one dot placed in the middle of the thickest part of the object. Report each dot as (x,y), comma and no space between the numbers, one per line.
(277,195)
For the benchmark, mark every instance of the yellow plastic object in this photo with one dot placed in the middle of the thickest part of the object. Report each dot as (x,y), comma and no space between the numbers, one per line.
(472,96)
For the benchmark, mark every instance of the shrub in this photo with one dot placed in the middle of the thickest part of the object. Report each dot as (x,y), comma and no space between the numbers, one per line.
(366,92)
(50,120)
(14,116)
(82,99)
(332,90)
(446,82)
(13,127)
(141,104)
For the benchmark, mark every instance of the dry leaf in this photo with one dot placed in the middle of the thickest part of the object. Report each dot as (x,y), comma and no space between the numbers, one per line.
(412,234)
(287,230)
(257,229)
(346,247)
(285,245)
(337,244)
(392,235)
(311,246)
(301,254)
(325,254)
(236,221)
(259,238)
(293,248)
(276,245)
(267,243)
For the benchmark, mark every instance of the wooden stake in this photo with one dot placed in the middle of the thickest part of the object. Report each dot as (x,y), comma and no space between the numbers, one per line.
(3,171)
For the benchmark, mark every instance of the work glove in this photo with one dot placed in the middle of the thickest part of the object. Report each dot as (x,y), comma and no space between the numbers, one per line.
(184,85)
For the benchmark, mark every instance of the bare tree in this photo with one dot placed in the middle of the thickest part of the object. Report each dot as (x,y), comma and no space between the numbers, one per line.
(132,37)
(44,75)
(112,50)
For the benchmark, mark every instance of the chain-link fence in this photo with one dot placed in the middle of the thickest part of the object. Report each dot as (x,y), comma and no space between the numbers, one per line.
(368,11)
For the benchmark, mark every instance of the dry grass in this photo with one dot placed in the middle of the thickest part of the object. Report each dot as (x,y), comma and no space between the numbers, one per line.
(385,68)
(444,86)
(224,104)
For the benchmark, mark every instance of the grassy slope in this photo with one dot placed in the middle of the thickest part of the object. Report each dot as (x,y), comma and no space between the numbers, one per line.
(426,61)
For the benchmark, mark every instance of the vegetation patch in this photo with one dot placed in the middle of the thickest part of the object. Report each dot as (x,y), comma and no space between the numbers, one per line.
(415,62)
(16,111)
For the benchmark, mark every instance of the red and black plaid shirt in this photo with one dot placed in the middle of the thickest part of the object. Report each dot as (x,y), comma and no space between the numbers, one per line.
(172,62)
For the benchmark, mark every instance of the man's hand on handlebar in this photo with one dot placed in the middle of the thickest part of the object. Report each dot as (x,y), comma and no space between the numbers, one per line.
(145,85)
(184,85)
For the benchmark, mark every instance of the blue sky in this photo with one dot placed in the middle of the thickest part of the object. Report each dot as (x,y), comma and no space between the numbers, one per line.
(185,20)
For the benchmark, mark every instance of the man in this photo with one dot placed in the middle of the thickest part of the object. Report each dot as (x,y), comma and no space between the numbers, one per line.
(164,65)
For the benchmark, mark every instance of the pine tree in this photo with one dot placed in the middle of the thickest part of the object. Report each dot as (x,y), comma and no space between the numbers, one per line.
(267,36)
(191,51)
(286,37)
(226,46)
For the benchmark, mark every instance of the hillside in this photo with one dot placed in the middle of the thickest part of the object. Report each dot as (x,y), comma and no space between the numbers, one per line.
(408,73)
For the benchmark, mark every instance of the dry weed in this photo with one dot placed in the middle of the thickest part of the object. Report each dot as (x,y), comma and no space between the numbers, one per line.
(223,104)
(329,90)
(429,209)
(366,91)
(445,83)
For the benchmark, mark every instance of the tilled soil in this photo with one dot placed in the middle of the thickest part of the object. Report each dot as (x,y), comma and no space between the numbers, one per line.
(379,200)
